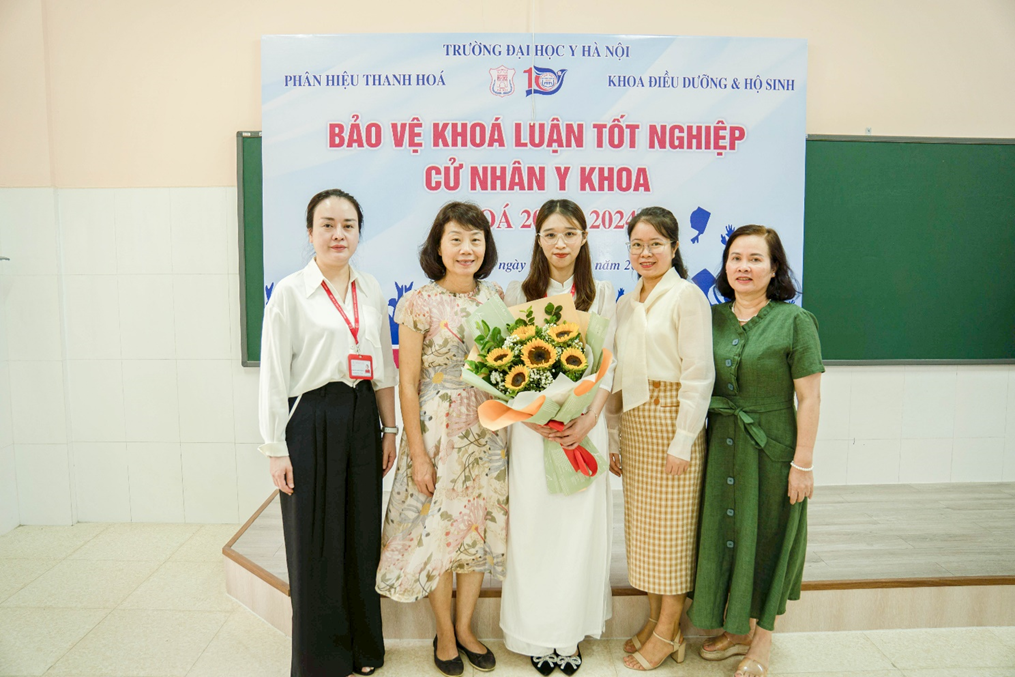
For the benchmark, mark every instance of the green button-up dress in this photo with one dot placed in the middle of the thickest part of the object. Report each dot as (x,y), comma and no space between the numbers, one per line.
(753,542)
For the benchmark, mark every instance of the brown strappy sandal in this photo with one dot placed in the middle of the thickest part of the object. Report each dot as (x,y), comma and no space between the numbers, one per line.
(635,642)
(678,645)
(722,648)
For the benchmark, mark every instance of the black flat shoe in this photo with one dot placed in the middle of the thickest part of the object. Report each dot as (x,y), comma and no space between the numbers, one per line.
(570,664)
(451,668)
(544,665)
(484,662)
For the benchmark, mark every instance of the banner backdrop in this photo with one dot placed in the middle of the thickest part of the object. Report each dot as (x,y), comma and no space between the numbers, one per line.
(710,128)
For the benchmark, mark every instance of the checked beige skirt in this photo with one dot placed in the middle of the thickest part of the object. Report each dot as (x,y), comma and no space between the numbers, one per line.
(660,510)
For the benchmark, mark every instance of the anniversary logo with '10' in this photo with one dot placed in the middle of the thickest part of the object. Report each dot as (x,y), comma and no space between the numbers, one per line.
(544,80)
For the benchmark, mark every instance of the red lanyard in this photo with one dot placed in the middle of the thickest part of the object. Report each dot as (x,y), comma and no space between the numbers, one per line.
(353,328)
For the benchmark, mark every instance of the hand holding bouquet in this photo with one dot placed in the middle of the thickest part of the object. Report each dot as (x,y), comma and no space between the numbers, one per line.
(543,363)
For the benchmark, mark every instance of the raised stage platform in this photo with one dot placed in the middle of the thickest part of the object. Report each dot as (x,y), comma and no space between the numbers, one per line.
(878,557)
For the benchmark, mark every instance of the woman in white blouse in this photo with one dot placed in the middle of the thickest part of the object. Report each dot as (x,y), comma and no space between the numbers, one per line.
(557,588)
(327,381)
(664,383)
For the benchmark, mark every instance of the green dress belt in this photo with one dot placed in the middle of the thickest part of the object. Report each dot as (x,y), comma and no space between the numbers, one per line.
(724,406)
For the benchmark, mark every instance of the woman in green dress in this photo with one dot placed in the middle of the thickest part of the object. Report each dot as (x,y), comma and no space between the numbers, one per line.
(759,471)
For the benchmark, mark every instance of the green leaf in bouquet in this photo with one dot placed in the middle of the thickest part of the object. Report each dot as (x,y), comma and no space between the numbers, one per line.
(492,314)
(476,381)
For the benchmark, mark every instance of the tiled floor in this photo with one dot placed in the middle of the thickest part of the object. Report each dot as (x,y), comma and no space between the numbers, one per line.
(854,533)
(133,600)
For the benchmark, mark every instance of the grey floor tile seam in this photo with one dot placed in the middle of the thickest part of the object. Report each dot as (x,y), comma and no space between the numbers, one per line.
(183,543)
(59,658)
(211,641)
(29,582)
(105,527)
(181,546)
(138,586)
(866,635)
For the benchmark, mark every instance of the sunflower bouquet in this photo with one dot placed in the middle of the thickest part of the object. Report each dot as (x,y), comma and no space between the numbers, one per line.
(529,356)
(541,362)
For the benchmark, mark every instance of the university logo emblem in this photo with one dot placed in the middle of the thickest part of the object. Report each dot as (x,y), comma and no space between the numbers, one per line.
(502,81)
(544,80)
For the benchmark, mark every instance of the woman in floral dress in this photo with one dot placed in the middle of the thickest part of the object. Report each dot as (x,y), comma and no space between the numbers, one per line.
(448,508)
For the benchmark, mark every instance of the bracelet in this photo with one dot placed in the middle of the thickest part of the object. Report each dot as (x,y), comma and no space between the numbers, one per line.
(390,430)
(794,465)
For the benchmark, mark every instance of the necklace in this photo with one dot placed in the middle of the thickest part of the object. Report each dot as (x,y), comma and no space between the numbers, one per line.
(742,320)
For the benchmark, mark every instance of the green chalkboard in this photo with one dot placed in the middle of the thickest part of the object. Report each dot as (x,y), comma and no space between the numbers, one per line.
(248,196)
(908,248)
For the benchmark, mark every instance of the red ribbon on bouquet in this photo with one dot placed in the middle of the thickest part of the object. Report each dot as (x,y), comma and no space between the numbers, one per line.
(580,458)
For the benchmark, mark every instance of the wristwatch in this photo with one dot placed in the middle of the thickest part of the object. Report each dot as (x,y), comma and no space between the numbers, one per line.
(393,430)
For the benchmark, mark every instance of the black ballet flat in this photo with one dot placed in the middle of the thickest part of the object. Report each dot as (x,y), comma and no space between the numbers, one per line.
(570,664)
(484,662)
(544,665)
(451,668)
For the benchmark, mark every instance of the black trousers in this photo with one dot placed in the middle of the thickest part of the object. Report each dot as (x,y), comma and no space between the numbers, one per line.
(332,526)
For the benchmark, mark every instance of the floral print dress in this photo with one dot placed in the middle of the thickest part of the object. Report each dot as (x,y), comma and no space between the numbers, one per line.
(463,526)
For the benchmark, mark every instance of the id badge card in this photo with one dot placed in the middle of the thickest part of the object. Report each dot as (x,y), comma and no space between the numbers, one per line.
(361,367)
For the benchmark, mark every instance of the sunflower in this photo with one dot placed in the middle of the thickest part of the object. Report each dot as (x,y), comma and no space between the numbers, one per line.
(538,353)
(563,332)
(573,359)
(499,357)
(524,332)
(517,378)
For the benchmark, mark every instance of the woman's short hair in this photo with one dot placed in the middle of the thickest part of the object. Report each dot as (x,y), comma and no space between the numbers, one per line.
(780,287)
(324,195)
(469,216)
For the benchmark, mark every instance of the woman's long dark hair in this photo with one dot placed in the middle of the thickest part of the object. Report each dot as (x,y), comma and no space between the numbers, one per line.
(665,223)
(534,286)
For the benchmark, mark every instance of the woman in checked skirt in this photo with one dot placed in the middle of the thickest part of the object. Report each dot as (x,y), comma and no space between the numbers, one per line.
(664,378)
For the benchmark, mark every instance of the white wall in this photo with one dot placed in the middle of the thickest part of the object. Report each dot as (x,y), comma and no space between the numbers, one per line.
(889,424)
(122,315)
(9,515)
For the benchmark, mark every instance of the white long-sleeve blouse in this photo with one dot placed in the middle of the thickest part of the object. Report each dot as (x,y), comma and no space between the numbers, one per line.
(305,344)
(667,338)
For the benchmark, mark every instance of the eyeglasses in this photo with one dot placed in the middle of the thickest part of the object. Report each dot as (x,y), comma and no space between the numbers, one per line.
(653,247)
(569,236)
